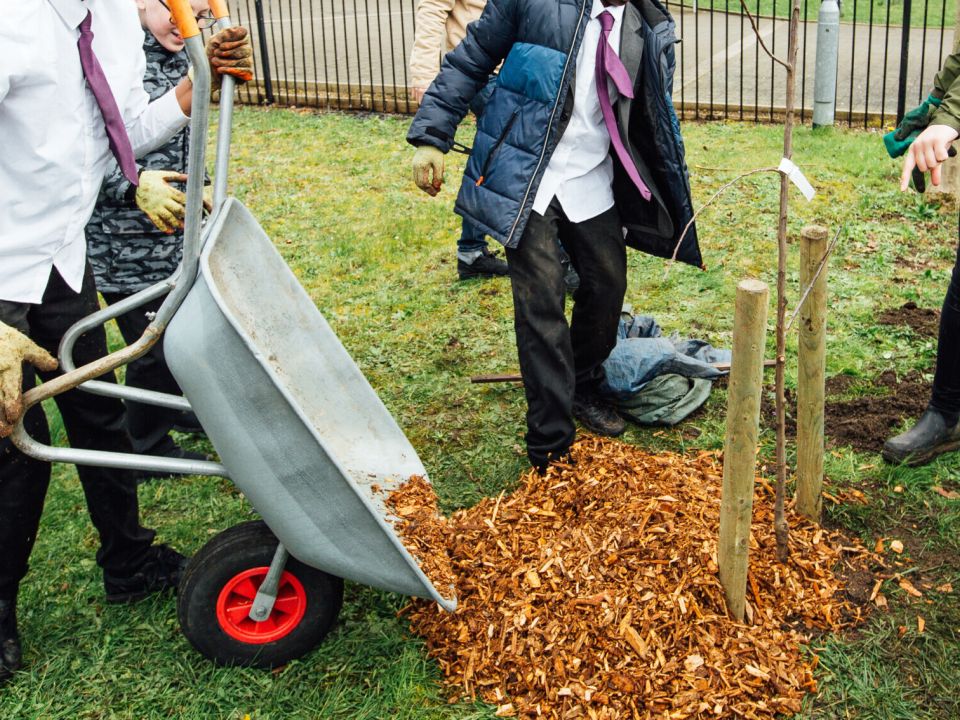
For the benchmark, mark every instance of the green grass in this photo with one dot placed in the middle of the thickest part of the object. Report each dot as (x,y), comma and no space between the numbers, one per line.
(922,12)
(377,256)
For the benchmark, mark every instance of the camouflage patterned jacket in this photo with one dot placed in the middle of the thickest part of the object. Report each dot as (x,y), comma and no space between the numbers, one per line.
(128,253)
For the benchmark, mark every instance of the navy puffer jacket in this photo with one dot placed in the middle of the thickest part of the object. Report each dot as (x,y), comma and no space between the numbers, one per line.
(538,42)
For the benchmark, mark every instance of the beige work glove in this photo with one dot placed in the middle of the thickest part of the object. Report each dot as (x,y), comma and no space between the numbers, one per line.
(208,198)
(230,53)
(428,169)
(16,349)
(162,203)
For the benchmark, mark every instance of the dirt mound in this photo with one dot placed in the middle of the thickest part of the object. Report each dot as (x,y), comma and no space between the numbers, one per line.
(592,592)
(925,322)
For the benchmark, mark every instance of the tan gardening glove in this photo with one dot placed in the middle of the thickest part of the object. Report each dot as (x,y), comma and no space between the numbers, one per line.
(230,53)
(16,349)
(208,198)
(162,203)
(428,169)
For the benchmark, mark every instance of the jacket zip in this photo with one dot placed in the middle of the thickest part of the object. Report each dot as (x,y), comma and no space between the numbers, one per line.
(496,147)
(553,114)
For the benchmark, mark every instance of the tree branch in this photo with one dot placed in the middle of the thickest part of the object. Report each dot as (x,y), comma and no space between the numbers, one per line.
(756,31)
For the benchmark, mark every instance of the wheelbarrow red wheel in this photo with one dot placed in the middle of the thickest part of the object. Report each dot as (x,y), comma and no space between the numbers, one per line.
(218,589)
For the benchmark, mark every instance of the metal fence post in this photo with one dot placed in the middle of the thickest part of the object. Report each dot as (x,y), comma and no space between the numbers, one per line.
(828,53)
(264,54)
(904,58)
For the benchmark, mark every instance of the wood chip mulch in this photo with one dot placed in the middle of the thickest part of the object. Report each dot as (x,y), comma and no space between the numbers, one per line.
(592,592)
(423,531)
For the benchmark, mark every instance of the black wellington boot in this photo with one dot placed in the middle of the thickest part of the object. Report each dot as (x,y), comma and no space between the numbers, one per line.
(10,654)
(929,438)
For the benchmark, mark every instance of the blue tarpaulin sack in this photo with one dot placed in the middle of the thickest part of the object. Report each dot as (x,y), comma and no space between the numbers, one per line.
(656,380)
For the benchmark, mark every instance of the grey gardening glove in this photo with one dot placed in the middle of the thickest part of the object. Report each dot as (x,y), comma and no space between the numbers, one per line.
(16,349)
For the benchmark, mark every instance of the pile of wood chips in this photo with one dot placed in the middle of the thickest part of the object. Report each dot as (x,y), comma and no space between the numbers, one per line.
(423,531)
(592,592)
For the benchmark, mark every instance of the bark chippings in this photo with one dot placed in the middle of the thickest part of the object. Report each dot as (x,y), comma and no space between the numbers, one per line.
(592,592)
(423,531)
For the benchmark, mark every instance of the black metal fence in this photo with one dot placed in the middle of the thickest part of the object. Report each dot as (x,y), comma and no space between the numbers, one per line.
(352,55)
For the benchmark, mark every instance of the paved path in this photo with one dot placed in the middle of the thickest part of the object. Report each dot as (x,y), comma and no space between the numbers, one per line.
(359,45)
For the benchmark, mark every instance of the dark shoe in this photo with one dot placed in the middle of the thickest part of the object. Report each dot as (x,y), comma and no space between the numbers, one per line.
(169,449)
(561,457)
(10,654)
(923,442)
(161,570)
(598,415)
(188,423)
(486,265)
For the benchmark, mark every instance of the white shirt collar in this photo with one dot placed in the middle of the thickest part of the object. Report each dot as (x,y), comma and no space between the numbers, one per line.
(72,12)
(615,10)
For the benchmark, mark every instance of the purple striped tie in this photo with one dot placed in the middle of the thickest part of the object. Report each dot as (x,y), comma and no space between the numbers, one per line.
(112,119)
(609,63)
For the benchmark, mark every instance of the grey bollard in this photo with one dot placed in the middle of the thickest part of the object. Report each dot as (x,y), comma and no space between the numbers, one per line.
(828,51)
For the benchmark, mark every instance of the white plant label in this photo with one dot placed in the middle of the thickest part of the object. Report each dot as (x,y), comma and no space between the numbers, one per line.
(788,168)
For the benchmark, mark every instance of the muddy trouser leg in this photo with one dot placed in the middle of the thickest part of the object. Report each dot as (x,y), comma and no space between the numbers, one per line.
(543,336)
(94,422)
(148,425)
(946,381)
(23,480)
(599,256)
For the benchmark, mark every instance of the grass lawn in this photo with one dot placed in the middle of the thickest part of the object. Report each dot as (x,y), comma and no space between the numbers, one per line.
(929,13)
(377,256)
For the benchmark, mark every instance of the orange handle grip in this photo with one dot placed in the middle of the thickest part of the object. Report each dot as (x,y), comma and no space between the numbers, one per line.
(184,18)
(219,8)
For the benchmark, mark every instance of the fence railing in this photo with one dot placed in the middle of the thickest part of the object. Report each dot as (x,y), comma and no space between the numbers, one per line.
(352,55)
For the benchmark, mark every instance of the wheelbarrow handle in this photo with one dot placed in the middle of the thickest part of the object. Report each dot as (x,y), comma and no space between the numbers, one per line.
(219,8)
(184,18)
(221,12)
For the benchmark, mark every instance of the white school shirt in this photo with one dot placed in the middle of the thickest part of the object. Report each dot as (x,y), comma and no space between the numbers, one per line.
(580,171)
(53,142)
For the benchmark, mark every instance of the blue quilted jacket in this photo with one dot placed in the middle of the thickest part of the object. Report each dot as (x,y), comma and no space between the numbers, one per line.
(538,42)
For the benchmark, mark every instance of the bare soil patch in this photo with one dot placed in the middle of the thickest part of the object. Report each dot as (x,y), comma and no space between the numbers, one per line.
(925,322)
(863,422)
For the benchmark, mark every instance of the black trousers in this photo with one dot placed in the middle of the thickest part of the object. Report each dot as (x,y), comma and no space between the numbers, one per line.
(946,381)
(558,360)
(147,425)
(91,421)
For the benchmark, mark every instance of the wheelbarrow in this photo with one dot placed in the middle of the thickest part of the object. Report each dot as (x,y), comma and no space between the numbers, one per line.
(298,428)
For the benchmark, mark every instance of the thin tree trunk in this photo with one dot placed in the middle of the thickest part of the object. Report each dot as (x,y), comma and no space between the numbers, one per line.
(781,528)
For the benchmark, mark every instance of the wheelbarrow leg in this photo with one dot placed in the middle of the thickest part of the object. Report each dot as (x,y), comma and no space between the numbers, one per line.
(267,594)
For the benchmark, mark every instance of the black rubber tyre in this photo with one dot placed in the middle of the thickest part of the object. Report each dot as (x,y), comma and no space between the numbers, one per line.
(219,579)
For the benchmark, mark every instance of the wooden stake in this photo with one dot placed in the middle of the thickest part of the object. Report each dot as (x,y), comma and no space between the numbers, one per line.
(812,360)
(740,445)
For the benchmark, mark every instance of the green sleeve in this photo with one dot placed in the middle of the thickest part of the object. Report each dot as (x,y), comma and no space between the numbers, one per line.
(948,73)
(949,111)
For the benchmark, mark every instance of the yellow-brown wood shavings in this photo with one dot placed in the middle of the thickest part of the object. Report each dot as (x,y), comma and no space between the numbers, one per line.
(592,592)
(423,531)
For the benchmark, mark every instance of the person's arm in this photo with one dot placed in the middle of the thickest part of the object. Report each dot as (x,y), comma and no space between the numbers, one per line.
(428,43)
(151,124)
(949,111)
(932,146)
(464,72)
(946,76)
